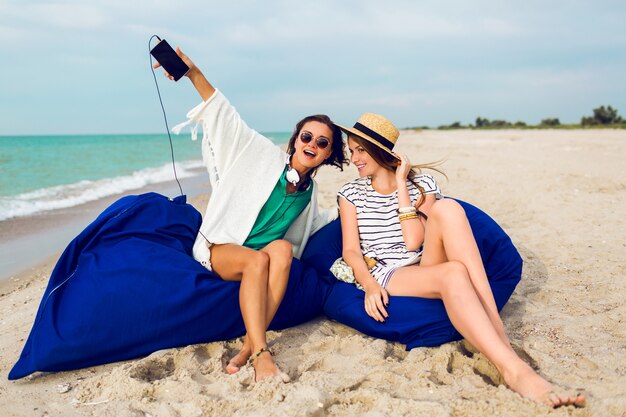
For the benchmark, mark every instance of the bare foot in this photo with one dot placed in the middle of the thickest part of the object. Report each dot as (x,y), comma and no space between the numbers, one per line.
(239,360)
(264,367)
(529,384)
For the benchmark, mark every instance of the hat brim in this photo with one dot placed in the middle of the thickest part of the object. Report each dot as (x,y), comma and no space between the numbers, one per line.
(353,131)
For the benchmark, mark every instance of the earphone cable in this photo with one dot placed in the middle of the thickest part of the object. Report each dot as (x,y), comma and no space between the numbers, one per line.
(164,114)
(166,124)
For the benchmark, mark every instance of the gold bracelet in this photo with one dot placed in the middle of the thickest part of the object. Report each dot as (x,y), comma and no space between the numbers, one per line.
(408,216)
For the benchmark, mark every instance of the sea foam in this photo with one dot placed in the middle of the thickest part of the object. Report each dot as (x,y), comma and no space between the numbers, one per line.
(64,196)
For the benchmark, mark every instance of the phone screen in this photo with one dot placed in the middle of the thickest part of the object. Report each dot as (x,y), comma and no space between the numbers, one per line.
(172,63)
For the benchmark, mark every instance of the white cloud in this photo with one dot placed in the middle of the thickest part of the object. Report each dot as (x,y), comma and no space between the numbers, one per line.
(376,21)
(10,34)
(71,16)
(442,61)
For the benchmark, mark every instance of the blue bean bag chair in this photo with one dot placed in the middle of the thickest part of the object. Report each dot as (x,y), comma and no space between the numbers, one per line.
(128,286)
(414,321)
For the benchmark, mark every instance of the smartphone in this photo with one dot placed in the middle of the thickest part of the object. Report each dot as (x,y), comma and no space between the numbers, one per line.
(169,60)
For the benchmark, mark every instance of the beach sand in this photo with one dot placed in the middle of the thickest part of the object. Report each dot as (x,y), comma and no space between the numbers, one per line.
(561,196)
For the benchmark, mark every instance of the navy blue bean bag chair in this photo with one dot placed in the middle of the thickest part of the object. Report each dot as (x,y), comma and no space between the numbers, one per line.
(128,286)
(415,321)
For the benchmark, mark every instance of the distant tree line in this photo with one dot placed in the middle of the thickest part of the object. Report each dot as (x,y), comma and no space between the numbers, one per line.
(602,117)
(481,122)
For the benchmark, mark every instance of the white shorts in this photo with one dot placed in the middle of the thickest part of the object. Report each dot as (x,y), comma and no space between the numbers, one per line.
(382,273)
(202,254)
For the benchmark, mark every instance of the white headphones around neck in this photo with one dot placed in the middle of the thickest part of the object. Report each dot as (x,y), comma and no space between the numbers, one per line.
(292,175)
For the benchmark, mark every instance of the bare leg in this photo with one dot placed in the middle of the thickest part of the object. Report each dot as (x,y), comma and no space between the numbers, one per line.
(237,263)
(448,237)
(280,257)
(451,283)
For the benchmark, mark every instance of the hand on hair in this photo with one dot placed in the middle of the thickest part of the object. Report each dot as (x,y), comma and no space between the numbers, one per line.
(403,169)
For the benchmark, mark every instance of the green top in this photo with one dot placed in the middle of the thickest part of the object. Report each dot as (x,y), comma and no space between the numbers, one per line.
(277,214)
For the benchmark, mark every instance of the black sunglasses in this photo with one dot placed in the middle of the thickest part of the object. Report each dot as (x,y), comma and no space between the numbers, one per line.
(321,143)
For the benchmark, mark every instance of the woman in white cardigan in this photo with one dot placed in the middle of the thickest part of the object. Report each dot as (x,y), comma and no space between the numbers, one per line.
(262,209)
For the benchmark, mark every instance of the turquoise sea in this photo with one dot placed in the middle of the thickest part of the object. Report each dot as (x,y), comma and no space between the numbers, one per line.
(39,173)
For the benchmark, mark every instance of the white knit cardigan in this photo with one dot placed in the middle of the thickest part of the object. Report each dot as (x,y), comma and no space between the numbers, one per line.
(243,167)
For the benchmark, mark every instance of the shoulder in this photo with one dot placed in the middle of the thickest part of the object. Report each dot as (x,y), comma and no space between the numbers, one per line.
(357,185)
(427,182)
(354,190)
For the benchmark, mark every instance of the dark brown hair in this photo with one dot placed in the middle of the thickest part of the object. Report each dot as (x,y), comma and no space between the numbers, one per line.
(337,157)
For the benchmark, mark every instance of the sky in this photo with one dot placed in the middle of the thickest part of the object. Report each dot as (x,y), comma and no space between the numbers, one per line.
(82,67)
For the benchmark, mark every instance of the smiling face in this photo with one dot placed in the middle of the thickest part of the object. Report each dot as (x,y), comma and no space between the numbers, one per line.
(310,155)
(363,161)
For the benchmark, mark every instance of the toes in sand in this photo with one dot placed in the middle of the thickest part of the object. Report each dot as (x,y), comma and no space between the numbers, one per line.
(264,367)
(532,386)
(239,360)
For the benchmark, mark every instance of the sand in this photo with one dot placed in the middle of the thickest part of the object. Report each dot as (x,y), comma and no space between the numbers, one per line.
(561,196)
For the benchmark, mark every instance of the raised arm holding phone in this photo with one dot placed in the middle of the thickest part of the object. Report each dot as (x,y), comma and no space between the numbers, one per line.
(262,210)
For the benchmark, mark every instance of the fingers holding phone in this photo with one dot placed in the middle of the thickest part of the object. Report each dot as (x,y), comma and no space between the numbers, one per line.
(175,63)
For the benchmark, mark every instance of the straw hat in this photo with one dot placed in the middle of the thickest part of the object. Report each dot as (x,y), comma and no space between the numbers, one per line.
(376,129)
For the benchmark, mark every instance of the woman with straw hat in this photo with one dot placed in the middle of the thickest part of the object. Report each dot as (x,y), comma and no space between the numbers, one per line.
(262,210)
(402,238)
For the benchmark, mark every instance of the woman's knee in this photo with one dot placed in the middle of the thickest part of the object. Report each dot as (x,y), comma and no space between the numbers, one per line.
(455,276)
(257,263)
(280,252)
(445,208)
(282,248)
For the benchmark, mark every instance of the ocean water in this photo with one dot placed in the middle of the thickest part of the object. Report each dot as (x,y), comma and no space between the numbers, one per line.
(39,173)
